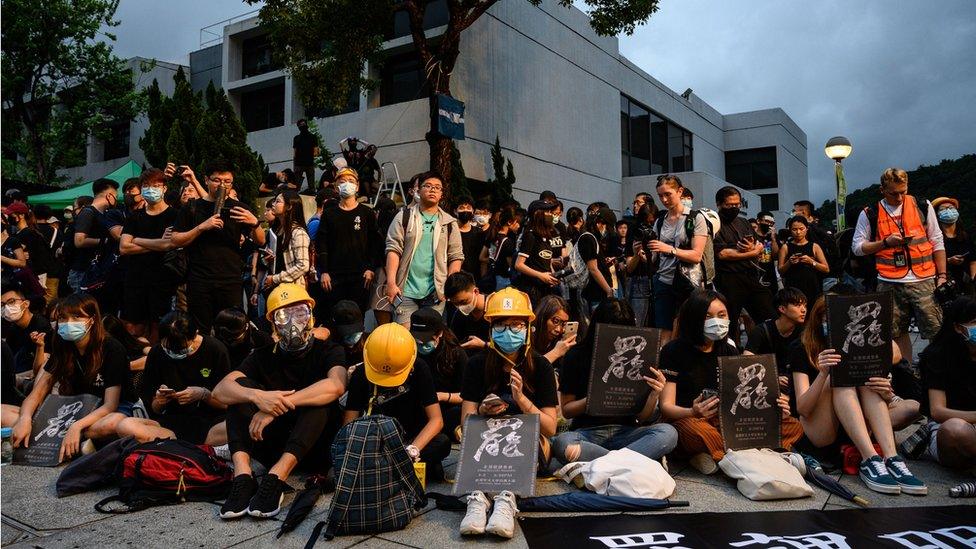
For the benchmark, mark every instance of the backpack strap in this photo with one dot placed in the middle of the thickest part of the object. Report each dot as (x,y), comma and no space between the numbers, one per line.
(405,219)
(349,472)
(372,400)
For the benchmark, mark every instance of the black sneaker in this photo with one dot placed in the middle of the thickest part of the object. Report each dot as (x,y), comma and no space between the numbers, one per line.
(242,489)
(267,501)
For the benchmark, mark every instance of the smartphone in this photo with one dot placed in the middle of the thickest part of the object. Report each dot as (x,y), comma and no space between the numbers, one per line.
(166,391)
(571,329)
(708,393)
(397,301)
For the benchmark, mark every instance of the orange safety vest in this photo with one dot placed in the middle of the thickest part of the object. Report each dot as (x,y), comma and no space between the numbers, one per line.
(916,254)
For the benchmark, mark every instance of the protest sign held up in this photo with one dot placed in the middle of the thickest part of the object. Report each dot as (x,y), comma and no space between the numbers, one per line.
(622,355)
(50,424)
(498,453)
(748,389)
(858,328)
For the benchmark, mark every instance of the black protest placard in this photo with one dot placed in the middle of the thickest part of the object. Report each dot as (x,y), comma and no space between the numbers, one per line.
(859,329)
(748,387)
(498,453)
(50,424)
(622,355)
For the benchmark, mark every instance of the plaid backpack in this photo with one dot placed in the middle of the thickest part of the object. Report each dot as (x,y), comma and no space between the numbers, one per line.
(376,487)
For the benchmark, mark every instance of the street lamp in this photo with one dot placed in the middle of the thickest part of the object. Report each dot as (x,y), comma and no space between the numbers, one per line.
(838,148)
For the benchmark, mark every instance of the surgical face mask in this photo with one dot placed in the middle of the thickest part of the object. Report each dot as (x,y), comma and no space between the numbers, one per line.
(687,203)
(13,313)
(507,340)
(481,219)
(948,215)
(68,215)
(152,194)
(73,330)
(347,189)
(465,217)
(555,219)
(294,327)
(716,328)
(468,307)
(352,339)
(970,335)
(426,349)
(176,355)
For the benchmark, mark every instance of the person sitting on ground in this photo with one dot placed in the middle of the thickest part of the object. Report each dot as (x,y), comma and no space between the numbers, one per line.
(593,437)
(84,360)
(862,411)
(551,316)
(239,335)
(690,364)
(774,336)
(136,348)
(280,403)
(181,371)
(949,375)
(22,329)
(394,382)
(467,316)
(439,348)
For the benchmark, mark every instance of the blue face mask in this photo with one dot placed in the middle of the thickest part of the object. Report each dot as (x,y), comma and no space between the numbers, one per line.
(352,339)
(971,334)
(507,340)
(72,331)
(176,355)
(948,215)
(152,194)
(426,348)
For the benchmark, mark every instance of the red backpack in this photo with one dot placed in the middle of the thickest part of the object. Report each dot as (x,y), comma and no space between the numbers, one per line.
(167,472)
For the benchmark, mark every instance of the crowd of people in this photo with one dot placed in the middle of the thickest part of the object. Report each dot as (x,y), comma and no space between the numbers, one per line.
(191,316)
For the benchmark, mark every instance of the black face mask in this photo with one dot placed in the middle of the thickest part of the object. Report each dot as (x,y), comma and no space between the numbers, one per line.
(465,217)
(728,214)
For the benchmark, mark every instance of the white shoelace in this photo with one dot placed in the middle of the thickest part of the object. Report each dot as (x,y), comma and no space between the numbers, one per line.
(900,467)
(879,467)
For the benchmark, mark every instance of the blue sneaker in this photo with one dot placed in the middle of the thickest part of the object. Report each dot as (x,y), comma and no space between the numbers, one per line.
(875,476)
(908,482)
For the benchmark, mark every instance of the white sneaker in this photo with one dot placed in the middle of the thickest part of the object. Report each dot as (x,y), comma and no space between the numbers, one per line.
(703,463)
(502,521)
(475,518)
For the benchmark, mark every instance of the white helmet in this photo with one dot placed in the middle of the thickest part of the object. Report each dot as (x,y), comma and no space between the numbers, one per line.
(712,217)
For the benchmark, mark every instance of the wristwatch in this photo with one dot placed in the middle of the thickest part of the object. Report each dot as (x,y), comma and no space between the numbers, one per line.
(413,452)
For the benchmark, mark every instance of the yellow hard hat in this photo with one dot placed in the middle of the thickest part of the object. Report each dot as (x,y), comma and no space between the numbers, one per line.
(348,172)
(287,294)
(509,302)
(389,354)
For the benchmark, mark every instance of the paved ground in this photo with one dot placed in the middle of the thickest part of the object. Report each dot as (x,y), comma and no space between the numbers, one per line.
(34,517)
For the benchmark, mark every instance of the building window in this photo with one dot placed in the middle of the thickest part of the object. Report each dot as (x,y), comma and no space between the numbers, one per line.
(256,56)
(352,105)
(435,15)
(752,168)
(649,143)
(769,202)
(400,80)
(116,144)
(264,108)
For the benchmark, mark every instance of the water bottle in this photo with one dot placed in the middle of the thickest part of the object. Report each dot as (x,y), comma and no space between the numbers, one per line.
(964,490)
(7,445)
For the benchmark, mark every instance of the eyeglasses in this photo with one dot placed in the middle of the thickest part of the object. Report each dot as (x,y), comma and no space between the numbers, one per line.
(224,182)
(13,301)
(429,187)
(517,326)
(558,321)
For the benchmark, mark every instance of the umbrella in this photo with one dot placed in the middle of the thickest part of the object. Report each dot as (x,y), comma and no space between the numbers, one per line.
(817,476)
(572,502)
(315,486)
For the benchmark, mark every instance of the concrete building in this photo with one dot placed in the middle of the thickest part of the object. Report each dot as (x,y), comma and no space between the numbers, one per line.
(105,155)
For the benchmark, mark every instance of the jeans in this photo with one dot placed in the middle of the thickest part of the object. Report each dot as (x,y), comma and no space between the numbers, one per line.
(639,296)
(502,282)
(652,441)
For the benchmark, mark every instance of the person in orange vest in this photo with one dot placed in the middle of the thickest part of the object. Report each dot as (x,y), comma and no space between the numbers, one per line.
(903,235)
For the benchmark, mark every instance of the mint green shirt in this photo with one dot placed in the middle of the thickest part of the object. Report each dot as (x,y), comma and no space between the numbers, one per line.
(420,277)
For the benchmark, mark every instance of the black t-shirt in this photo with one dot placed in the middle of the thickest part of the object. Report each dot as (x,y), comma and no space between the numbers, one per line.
(255,340)
(114,372)
(692,369)
(215,254)
(147,268)
(727,238)
(405,403)
(465,326)
(959,246)
(950,368)
(538,252)
(501,255)
(304,144)
(454,381)
(543,384)
(87,222)
(348,242)
(204,368)
(798,363)
(40,255)
(471,243)
(276,370)
(575,380)
(20,342)
(765,339)
(589,249)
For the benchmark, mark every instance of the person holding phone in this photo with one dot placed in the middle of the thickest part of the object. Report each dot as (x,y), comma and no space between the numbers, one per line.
(292,261)
(960,253)
(550,330)
(593,437)
(690,399)
(801,262)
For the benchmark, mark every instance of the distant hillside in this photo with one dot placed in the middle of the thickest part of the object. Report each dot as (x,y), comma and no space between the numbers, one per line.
(954,178)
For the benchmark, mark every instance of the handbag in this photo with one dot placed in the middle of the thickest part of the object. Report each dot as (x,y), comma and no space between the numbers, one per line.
(763,475)
(623,473)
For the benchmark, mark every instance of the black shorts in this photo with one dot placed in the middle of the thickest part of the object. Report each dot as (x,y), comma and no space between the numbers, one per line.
(190,428)
(144,303)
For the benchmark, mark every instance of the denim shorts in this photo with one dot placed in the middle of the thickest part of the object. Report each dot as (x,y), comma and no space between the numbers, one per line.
(132,409)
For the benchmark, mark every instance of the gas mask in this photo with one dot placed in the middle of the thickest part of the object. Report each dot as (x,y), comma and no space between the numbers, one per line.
(293,325)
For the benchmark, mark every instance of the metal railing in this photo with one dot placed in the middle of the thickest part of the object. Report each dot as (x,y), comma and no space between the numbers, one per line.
(214,33)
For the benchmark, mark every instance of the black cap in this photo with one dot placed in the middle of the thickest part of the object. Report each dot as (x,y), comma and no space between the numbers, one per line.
(606,216)
(347,319)
(543,205)
(426,323)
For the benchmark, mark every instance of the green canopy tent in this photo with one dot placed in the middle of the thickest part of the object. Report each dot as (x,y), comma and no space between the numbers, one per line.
(59,199)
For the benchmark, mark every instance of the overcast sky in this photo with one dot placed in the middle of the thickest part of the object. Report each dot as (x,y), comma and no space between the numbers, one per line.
(897,77)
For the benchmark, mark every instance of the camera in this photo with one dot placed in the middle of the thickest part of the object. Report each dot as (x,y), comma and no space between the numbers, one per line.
(946,293)
(645,233)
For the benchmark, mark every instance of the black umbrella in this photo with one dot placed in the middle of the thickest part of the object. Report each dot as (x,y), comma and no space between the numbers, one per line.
(305,501)
(817,476)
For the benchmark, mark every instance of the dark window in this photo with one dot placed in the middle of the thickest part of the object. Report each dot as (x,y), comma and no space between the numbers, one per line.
(264,108)
(752,168)
(650,144)
(769,202)
(435,15)
(256,56)
(116,144)
(400,80)
(351,106)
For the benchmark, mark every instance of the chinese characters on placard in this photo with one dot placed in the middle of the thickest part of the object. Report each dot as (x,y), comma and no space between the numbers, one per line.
(863,326)
(747,394)
(623,366)
(58,426)
(493,442)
